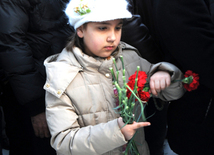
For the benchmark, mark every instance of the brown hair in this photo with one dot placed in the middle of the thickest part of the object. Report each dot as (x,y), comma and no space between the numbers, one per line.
(75,40)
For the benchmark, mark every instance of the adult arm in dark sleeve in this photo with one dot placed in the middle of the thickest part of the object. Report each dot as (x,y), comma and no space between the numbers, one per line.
(17,60)
(187,33)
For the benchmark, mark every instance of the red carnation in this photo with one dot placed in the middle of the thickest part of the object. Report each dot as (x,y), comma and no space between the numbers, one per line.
(131,85)
(144,96)
(142,76)
(141,79)
(191,81)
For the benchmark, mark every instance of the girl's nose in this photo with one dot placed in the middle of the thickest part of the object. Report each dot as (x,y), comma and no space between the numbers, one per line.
(111,37)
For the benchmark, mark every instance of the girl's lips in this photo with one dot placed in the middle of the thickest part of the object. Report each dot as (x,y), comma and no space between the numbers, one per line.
(109,47)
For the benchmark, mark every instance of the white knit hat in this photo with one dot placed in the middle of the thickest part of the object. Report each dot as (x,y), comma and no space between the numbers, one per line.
(83,11)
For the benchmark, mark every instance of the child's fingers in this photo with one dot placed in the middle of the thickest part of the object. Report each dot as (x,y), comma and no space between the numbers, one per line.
(152,87)
(159,81)
(168,81)
(120,122)
(157,84)
(137,125)
(163,84)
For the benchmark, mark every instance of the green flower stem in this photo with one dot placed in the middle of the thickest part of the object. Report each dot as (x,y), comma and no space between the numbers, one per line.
(126,106)
(135,86)
(186,80)
(121,58)
(123,66)
(119,91)
(124,110)
(142,108)
(129,114)
(124,81)
(115,63)
(131,147)
(117,75)
(112,72)
(117,71)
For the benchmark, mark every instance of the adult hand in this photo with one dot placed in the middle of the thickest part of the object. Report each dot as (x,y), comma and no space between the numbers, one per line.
(40,125)
(159,81)
(129,130)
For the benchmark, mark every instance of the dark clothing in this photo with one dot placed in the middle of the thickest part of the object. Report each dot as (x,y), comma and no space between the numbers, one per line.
(1,127)
(30,31)
(19,129)
(156,133)
(185,33)
(137,34)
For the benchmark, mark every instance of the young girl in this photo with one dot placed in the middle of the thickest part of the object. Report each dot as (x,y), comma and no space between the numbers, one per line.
(79,90)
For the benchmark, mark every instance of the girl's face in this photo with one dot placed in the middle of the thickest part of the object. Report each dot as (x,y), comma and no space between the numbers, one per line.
(101,38)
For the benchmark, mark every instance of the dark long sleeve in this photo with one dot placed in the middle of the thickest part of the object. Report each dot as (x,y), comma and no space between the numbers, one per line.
(16,56)
(187,33)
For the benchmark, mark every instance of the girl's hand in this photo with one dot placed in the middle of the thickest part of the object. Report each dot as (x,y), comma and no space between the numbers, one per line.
(129,130)
(159,81)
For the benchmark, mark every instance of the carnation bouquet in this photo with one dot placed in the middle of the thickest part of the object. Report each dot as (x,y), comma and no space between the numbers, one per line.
(137,91)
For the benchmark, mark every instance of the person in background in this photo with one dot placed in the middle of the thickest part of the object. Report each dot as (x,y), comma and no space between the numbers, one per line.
(30,31)
(184,31)
(89,125)
(1,122)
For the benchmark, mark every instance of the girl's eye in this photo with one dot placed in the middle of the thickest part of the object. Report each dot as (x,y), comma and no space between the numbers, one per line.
(119,28)
(102,28)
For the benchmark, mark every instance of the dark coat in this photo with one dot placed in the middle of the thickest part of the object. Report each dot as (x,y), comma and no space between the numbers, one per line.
(30,31)
(137,34)
(184,31)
